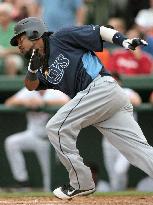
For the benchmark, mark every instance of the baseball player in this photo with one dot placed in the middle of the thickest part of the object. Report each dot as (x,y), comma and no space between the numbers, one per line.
(65,61)
(34,137)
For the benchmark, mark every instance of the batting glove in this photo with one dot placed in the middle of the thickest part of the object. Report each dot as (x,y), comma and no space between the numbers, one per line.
(35,61)
(131,44)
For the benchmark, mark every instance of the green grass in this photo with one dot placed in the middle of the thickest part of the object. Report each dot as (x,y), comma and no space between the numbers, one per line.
(47,194)
(25,194)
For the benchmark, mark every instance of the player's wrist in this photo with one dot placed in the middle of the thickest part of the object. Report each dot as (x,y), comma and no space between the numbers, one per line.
(119,39)
(31,76)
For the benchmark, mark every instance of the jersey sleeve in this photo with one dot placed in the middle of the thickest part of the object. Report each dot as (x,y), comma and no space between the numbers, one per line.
(84,37)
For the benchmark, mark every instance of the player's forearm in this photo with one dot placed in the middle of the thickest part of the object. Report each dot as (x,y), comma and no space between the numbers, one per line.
(31,81)
(14,101)
(59,102)
(112,35)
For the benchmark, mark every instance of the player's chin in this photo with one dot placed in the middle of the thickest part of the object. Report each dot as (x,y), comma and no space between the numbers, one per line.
(27,54)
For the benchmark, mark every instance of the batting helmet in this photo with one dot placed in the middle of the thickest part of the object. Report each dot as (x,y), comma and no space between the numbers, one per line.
(33,27)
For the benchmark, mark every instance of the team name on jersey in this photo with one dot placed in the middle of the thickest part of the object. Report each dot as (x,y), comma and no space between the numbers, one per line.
(56,69)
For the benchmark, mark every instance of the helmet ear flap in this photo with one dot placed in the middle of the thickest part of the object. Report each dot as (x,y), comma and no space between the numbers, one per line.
(32,35)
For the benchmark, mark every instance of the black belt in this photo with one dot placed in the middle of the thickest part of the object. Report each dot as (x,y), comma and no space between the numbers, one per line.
(104,73)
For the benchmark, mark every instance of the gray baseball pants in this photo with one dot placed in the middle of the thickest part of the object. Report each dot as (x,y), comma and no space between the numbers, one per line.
(104,105)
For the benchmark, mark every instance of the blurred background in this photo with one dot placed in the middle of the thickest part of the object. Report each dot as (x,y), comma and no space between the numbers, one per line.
(24,168)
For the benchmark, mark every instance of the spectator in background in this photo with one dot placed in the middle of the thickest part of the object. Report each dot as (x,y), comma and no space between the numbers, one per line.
(131,63)
(146,184)
(23,9)
(17,143)
(117,7)
(11,62)
(101,185)
(62,13)
(144,22)
(115,163)
(14,65)
(104,56)
(132,8)
(118,24)
(151,98)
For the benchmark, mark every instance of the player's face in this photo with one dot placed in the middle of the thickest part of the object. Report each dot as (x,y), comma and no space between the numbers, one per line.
(25,46)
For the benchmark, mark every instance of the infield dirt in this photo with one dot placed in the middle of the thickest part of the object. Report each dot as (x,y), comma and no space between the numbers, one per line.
(90,200)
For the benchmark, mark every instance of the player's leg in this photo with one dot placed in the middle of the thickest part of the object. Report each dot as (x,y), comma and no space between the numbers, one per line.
(42,151)
(86,108)
(121,169)
(125,134)
(63,129)
(14,146)
(116,165)
(110,154)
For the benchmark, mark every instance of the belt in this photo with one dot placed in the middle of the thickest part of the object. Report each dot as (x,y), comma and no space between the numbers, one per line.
(104,73)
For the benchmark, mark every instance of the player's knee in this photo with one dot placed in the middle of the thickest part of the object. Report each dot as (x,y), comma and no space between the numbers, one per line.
(51,128)
(9,143)
(48,127)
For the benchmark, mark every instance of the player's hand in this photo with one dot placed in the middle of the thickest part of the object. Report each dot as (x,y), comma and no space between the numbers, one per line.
(131,44)
(35,61)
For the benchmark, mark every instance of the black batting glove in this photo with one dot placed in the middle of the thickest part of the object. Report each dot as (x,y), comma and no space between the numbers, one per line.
(131,44)
(35,61)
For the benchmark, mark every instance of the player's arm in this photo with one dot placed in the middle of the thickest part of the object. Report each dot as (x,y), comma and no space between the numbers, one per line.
(21,98)
(57,99)
(113,36)
(135,99)
(29,103)
(14,101)
(31,80)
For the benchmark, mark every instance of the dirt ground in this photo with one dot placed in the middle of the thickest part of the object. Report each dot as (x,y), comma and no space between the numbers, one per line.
(90,200)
